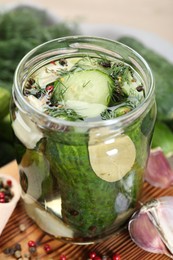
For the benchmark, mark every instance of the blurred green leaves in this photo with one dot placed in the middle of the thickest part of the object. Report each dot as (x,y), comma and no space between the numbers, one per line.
(21,29)
(163,74)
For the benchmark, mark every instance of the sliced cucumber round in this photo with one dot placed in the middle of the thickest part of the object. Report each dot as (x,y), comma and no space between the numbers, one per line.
(91,86)
(85,109)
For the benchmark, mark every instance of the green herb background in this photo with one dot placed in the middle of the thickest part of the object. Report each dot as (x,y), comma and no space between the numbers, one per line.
(23,28)
(162,71)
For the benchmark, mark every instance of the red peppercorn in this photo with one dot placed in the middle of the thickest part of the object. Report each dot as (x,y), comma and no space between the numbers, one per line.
(49,88)
(2,200)
(31,243)
(53,62)
(47,248)
(116,257)
(97,258)
(9,183)
(63,257)
(2,195)
(92,255)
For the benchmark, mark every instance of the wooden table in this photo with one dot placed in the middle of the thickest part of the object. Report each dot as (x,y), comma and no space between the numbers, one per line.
(120,243)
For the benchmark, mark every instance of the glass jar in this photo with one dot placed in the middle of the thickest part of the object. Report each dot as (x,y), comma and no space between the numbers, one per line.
(81,180)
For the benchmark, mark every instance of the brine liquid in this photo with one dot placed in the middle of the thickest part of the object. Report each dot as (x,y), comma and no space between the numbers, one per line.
(84,89)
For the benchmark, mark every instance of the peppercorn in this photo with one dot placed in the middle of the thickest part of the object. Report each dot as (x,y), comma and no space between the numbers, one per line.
(2,195)
(116,257)
(31,81)
(63,62)
(105,64)
(97,257)
(31,243)
(32,249)
(47,248)
(9,183)
(73,212)
(63,257)
(49,88)
(53,62)
(5,191)
(8,251)
(18,247)
(92,255)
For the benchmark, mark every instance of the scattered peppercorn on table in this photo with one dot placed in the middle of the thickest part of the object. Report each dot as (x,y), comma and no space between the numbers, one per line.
(22,238)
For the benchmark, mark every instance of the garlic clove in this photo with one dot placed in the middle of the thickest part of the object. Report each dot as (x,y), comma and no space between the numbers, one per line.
(142,233)
(158,172)
(162,215)
(151,228)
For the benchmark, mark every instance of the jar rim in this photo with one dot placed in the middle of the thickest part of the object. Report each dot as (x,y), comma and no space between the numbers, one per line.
(120,121)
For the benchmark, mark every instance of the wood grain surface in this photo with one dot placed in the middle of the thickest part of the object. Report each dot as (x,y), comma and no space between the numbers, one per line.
(120,243)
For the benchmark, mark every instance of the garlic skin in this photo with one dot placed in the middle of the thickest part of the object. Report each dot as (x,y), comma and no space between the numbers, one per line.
(151,228)
(158,173)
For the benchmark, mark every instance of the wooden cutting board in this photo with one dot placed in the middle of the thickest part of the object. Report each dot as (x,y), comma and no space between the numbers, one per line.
(120,243)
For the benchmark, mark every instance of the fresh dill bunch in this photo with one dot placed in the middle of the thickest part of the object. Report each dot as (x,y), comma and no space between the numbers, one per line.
(22,29)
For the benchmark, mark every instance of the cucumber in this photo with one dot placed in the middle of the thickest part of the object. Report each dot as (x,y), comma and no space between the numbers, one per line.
(162,70)
(88,202)
(140,141)
(4,102)
(81,189)
(6,132)
(85,109)
(89,87)
(129,189)
(163,138)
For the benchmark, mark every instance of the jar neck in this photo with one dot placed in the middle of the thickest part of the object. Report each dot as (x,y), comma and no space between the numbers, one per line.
(78,45)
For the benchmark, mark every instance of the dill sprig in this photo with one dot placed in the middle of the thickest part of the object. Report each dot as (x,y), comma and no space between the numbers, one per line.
(103,61)
(61,90)
(134,101)
(63,113)
(107,114)
(120,73)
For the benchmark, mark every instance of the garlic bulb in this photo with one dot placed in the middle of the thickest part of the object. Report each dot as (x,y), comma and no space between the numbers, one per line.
(151,228)
(159,172)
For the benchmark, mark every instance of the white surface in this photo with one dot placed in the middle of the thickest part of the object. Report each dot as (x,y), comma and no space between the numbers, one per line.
(146,15)
(150,21)
(114,32)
